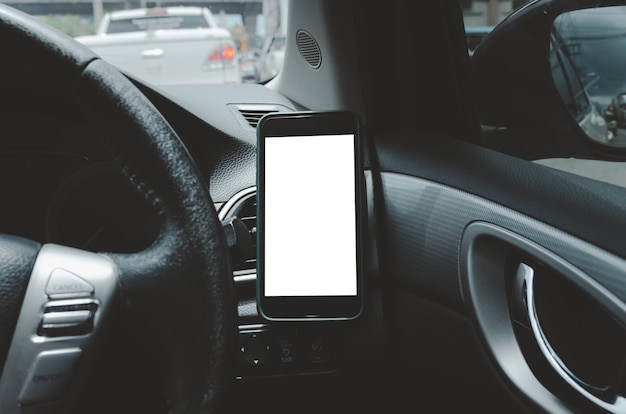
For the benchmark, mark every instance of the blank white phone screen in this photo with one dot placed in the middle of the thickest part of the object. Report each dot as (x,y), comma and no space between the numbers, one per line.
(310,216)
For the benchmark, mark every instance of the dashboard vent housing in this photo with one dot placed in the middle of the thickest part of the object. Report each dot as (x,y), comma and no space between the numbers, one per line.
(309,49)
(243,207)
(250,115)
(253,116)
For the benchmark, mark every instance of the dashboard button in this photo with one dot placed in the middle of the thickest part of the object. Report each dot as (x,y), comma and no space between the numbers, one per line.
(255,349)
(287,352)
(49,376)
(64,284)
(319,347)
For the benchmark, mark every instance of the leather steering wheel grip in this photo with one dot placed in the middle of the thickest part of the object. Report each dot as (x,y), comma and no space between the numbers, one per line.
(177,295)
(17,256)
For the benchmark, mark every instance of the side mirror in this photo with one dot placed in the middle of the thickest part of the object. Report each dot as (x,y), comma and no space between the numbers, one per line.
(589,70)
(550,80)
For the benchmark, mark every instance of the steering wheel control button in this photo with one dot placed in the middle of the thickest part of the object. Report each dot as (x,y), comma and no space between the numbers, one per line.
(50,376)
(66,323)
(71,305)
(68,318)
(63,284)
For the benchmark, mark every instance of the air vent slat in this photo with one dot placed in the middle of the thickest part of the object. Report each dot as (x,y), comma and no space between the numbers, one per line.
(249,115)
(245,210)
(253,117)
(249,222)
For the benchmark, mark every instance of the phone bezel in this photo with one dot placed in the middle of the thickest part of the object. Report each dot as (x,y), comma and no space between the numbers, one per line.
(310,307)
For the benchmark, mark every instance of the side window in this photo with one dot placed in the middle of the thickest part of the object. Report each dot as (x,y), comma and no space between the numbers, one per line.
(552,88)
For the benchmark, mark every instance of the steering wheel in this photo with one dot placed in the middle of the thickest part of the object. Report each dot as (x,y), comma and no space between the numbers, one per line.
(174,300)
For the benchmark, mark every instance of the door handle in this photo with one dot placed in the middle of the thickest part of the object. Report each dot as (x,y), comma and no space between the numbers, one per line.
(525,278)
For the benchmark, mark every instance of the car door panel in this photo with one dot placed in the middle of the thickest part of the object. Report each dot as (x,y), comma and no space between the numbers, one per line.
(458,220)
(426,222)
(591,210)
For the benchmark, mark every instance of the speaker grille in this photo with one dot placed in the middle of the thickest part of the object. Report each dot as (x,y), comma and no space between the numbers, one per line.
(309,49)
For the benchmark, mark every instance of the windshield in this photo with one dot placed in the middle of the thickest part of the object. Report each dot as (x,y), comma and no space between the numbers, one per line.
(201,43)
(249,49)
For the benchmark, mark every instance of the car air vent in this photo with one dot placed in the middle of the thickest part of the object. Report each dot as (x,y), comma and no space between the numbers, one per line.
(253,116)
(243,208)
(309,49)
(250,115)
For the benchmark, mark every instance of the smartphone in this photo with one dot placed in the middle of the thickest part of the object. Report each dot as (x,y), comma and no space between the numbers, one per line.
(310,210)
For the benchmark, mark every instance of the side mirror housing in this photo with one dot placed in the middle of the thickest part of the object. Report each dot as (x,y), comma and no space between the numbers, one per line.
(535,103)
